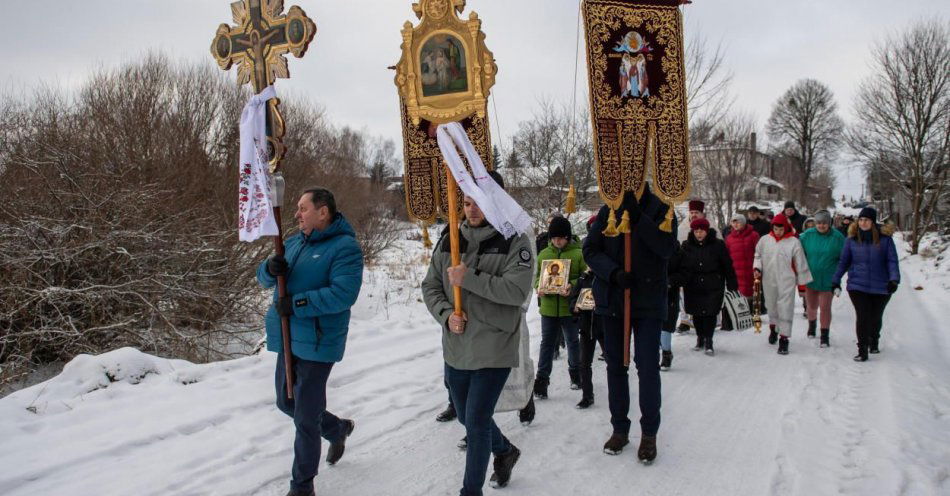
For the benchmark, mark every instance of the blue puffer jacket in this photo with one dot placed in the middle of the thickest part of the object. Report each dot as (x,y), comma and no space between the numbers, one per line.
(869,266)
(324,279)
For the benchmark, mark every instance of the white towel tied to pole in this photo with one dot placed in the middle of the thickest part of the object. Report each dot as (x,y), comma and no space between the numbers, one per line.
(256,189)
(500,209)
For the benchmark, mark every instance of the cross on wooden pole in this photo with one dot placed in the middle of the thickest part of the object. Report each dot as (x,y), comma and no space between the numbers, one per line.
(258,43)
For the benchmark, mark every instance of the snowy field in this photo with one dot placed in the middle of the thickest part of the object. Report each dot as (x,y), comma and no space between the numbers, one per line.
(746,421)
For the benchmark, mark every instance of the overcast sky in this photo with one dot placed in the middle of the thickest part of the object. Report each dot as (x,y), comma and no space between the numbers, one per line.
(769,45)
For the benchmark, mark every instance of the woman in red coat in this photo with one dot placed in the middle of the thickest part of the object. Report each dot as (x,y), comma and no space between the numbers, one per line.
(741,244)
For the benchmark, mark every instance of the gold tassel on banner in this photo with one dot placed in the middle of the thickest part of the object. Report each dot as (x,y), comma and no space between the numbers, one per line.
(611,230)
(624,226)
(426,242)
(667,225)
(571,205)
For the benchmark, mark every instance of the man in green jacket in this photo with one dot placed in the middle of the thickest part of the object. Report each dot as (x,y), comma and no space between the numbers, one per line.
(556,317)
(480,346)
(822,246)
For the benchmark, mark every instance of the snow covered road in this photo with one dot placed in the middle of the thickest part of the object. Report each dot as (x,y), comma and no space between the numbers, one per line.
(746,421)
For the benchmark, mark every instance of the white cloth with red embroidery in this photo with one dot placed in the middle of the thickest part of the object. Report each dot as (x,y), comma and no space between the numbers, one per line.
(256,190)
(500,209)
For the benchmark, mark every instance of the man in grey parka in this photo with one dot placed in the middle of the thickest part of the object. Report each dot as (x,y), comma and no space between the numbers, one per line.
(480,347)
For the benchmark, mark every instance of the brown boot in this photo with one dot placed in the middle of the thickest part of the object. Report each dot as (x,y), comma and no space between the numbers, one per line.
(647,452)
(614,445)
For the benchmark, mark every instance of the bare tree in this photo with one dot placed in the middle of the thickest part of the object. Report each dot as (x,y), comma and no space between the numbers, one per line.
(118,225)
(708,81)
(805,124)
(722,165)
(550,152)
(903,118)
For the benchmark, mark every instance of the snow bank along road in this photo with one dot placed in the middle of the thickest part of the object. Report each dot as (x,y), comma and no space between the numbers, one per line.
(746,421)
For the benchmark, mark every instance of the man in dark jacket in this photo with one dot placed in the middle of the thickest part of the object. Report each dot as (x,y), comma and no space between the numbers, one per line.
(324,275)
(758,222)
(651,250)
(795,217)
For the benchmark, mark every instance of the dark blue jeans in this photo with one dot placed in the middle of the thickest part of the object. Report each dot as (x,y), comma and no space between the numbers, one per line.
(308,409)
(474,394)
(646,356)
(550,326)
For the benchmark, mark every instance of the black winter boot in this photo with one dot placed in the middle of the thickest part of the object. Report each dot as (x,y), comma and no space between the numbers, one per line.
(812,327)
(541,388)
(709,347)
(575,379)
(873,347)
(335,452)
(503,465)
(616,443)
(526,414)
(700,341)
(447,415)
(783,346)
(862,355)
(667,360)
(585,403)
(647,452)
(301,492)
(773,335)
(463,443)
(825,342)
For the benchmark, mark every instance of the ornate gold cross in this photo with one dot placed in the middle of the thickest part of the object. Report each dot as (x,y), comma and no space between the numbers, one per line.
(258,43)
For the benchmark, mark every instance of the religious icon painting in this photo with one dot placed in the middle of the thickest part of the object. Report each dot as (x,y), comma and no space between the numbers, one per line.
(585,300)
(446,71)
(638,97)
(443,66)
(634,77)
(554,275)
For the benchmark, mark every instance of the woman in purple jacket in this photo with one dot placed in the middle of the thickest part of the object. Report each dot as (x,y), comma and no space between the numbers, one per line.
(870,259)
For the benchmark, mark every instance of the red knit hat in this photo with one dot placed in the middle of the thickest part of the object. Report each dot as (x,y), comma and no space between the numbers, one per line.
(701,224)
(697,205)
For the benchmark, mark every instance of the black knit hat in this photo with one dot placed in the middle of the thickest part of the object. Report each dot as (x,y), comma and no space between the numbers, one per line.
(559,228)
(869,213)
(789,204)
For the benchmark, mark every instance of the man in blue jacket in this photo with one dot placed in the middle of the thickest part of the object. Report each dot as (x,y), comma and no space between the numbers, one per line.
(323,265)
(652,248)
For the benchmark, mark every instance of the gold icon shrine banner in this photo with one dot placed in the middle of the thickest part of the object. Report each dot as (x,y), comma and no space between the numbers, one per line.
(445,74)
(638,97)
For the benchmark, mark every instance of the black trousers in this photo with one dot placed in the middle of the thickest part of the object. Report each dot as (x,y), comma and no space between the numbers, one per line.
(646,357)
(591,332)
(869,310)
(705,326)
(309,411)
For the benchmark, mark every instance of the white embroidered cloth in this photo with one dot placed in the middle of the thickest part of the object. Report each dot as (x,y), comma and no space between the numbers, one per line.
(500,209)
(256,188)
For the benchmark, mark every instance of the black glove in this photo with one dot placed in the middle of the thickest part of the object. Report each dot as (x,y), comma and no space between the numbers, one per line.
(623,279)
(891,287)
(277,266)
(285,306)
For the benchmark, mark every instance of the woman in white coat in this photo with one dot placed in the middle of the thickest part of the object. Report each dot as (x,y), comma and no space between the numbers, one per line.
(781,263)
